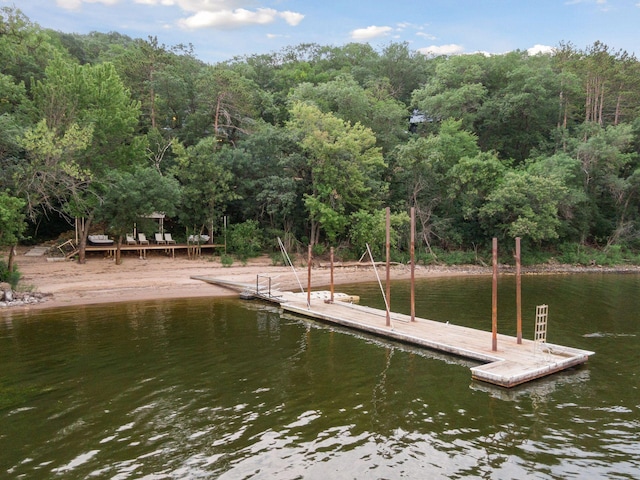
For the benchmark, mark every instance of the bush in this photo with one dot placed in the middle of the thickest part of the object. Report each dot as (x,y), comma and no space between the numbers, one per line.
(12,278)
(245,240)
(226,260)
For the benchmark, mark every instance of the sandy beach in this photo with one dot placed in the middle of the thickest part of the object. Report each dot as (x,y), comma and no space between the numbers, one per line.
(158,276)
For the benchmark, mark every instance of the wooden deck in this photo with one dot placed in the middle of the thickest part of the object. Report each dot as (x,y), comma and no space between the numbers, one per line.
(170,249)
(512,364)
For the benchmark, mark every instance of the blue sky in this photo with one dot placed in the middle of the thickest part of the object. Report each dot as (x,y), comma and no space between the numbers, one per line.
(222,29)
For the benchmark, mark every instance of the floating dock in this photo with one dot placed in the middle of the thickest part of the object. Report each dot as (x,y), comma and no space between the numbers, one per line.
(511,364)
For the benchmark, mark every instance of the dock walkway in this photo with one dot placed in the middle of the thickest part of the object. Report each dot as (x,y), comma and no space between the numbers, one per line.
(512,364)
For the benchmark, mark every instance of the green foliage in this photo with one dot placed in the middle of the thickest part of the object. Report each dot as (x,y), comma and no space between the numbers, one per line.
(343,165)
(11,277)
(371,228)
(133,195)
(526,206)
(207,183)
(226,260)
(313,141)
(12,219)
(318,250)
(577,254)
(245,240)
(438,256)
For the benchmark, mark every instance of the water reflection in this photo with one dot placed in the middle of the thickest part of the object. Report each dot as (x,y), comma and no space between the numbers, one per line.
(223,388)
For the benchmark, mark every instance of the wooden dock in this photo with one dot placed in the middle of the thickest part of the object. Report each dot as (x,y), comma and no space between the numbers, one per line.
(510,365)
(141,250)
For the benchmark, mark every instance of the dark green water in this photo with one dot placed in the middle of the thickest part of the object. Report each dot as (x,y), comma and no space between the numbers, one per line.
(228,389)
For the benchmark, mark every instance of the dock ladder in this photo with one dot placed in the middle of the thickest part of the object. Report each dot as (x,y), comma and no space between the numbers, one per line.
(540,335)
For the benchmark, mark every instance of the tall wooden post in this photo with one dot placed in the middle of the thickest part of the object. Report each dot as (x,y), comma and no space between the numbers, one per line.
(331,282)
(388,247)
(309,277)
(518,294)
(494,298)
(412,251)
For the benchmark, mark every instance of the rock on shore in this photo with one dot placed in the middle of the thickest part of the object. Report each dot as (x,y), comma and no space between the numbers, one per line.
(11,298)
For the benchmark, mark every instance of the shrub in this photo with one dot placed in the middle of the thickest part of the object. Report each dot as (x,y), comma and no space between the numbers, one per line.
(245,240)
(12,278)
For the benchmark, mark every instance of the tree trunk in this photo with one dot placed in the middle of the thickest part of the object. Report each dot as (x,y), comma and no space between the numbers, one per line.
(616,118)
(119,251)
(12,255)
(82,246)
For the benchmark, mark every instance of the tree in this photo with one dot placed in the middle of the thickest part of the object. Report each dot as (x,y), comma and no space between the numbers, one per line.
(373,107)
(456,90)
(608,165)
(206,185)
(343,170)
(25,49)
(79,159)
(471,181)
(130,196)
(524,205)
(139,64)
(371,228)
(53,179)
(422,169)
(521,114)
(225,104)
(12,224)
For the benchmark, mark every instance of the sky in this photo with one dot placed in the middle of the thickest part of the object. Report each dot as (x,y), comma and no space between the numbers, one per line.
(220,30)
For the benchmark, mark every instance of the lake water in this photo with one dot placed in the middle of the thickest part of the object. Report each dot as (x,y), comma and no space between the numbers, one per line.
(223,388)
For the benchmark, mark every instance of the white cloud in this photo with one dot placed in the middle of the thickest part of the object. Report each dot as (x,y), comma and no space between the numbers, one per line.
(603,5)
(536,49)
(428,36)
(451,49)
(229,19)
(166,3)
(370,32)
(292,18)
(208,13)
(76,4)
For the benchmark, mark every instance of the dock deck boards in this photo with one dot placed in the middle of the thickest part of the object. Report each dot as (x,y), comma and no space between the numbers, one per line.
(512,364)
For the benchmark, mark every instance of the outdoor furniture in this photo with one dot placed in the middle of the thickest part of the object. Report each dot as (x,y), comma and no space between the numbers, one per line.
(131,240)
(198,239)
(168,239)
(100,240)
(159,239)
(142,239)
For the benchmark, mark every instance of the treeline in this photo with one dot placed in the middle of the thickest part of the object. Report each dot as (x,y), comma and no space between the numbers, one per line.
(311,143)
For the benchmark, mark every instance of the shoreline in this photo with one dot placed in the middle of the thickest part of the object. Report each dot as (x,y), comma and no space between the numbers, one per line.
(67,283)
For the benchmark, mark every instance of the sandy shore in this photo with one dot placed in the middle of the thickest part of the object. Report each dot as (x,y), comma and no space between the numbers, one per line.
(158,276)
(100,280)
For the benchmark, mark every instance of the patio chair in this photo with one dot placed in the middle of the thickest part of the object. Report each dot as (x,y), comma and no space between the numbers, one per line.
(168,239)
(130,239)
(142,239)
(159,239)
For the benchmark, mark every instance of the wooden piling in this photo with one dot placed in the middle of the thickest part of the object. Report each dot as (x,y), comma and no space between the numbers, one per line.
(412,250)
(309,277)
(494,298)
(331,278)
(518,294)
(388,245)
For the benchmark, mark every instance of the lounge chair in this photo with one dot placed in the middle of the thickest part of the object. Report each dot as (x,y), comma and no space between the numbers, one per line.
(198,239)
(168,239)
(142,239)
(100,240)
(159,239)
(131,240)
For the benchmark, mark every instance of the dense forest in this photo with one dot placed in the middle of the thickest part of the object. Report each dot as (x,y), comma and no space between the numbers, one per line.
(312,143)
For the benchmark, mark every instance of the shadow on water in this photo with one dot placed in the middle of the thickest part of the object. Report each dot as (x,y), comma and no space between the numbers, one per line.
(220,388)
